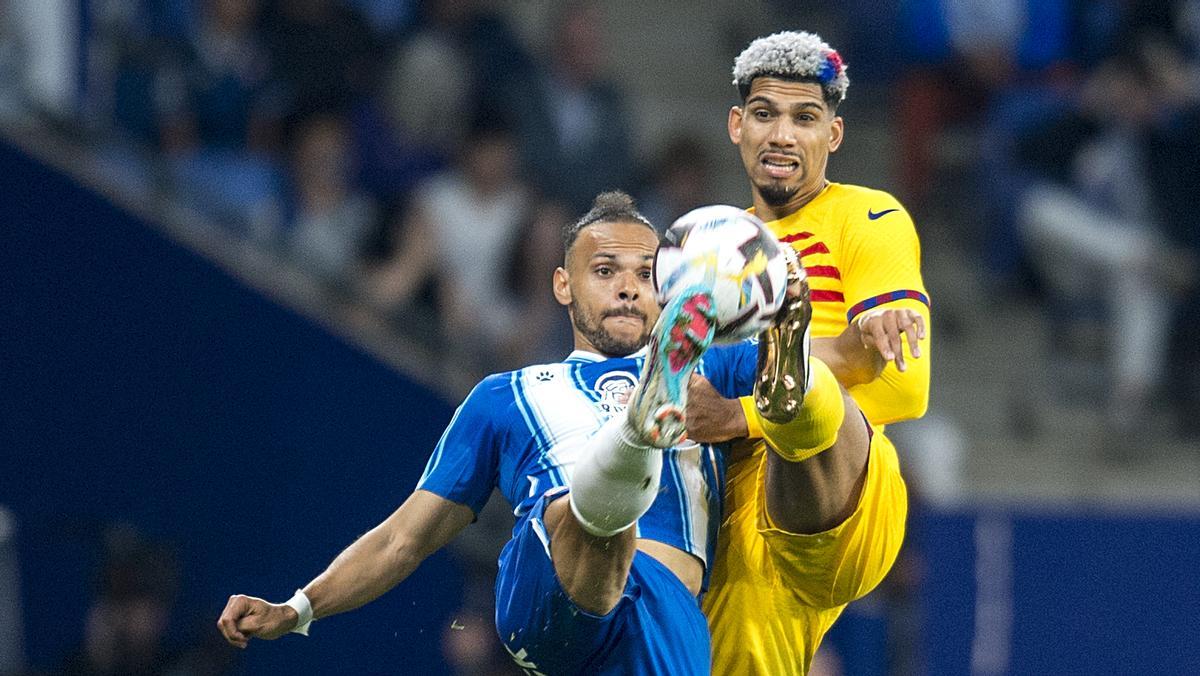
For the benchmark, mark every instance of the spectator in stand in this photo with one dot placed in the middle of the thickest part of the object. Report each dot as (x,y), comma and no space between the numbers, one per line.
(961,53)
(333,219)
(459,57)
(1175,173)
(132,60)
(432,72)
(546,329)
(219,118)
(680,180)
(573,132)
(1034,95)
(126,623)
(323,53)
(1094,229)
(405,134)
(459,231)
(226,99)
(126,627)
(455,57)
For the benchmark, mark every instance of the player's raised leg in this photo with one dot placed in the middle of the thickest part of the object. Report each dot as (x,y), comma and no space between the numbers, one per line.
(617,478)
(818,438)
(831,485)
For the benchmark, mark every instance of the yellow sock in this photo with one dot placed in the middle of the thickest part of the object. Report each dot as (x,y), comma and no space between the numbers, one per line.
(815,427)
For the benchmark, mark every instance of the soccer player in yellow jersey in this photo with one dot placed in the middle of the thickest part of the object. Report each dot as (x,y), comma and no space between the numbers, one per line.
(815,504)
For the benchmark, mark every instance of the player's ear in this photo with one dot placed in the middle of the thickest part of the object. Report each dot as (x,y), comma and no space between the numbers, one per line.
(562,286)
(837,131)
(735,124)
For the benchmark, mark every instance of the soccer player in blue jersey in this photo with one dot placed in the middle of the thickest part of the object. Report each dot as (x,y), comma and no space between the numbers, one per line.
(616,511)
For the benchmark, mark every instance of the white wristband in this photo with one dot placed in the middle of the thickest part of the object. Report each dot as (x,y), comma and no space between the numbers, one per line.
(303,607)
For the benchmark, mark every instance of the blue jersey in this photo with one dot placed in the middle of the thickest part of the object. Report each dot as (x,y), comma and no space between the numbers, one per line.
(523,431)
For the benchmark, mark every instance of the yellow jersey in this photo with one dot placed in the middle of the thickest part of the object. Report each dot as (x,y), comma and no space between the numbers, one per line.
(774,594)
(861,251)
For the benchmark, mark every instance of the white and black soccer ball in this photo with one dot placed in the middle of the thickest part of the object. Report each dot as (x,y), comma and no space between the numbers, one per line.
(734,250)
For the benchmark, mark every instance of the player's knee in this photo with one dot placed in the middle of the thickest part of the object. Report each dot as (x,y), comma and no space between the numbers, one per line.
(595,512)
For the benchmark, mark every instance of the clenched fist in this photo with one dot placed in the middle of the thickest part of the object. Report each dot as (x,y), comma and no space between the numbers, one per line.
(247,617)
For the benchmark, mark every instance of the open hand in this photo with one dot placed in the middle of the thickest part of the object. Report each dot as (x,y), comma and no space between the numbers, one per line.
(880,330)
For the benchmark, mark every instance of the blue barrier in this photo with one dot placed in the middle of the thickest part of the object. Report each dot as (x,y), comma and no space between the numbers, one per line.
(1085,591)
(140,383)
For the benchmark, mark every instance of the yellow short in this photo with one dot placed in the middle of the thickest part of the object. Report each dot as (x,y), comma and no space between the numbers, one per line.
(774,594)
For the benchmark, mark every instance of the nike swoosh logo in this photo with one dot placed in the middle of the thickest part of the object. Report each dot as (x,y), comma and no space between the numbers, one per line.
(873,216)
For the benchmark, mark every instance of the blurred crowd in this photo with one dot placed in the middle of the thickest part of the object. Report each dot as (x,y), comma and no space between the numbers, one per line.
(1081,120)
(418,156)
(132,621)
(126,630)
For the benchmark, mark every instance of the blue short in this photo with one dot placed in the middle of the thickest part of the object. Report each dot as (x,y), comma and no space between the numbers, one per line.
(656,627)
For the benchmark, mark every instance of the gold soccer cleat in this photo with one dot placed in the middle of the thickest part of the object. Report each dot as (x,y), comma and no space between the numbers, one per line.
(783,352)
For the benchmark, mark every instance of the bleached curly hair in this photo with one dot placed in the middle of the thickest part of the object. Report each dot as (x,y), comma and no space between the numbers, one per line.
(793,55)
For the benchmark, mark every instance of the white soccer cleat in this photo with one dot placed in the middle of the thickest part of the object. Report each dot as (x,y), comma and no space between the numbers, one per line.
(657,409)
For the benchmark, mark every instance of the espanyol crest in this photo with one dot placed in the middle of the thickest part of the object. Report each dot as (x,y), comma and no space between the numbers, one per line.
(614,388)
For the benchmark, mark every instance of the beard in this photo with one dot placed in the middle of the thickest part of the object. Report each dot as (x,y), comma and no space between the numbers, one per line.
(604,342)
(776,195)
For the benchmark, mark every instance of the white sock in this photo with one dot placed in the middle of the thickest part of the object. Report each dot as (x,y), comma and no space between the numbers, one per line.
(615,481)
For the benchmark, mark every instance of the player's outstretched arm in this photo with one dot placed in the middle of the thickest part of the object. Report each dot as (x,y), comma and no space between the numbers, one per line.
(886,307)
(364,571)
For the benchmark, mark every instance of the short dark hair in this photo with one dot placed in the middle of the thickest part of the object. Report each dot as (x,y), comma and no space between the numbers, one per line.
(614,206)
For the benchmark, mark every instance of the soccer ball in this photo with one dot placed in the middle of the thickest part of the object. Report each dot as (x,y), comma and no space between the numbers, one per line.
(735,252)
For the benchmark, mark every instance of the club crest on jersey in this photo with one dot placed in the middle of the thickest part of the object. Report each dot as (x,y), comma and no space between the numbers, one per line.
(614,388)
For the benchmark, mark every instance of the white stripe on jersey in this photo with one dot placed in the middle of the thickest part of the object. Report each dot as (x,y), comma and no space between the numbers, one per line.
(562,413)
(563,410)
(515,382)
(436,457)
(695,488)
